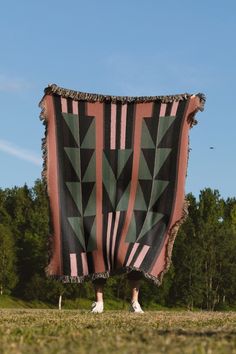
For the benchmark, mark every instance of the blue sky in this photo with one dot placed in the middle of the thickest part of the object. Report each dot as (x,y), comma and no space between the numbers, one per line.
(125,47)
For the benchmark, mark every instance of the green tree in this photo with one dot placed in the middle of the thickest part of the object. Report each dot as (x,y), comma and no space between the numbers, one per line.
(8,277)
(211,213)
(227,291)
(28,209)
(186,288)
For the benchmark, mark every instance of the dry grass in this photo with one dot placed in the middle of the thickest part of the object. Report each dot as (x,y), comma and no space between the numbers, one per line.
(69,331)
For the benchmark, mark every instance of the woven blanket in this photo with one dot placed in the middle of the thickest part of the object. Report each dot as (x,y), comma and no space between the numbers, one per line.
(115,169)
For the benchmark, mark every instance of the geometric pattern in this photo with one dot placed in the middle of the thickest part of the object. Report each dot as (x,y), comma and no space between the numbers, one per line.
(116,165)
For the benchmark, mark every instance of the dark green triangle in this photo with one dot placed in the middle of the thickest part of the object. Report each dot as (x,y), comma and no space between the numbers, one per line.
(131,234)
(72,121)
(90,173)
(160,158)
(140,203)
(144,172)
(158,188)
(124,200)
(107,203)
(92,245)
(109,180)
(164,125)
(89,139)
(146,139)
(77,225)
(111,156)
(75,191)
(151,219)
(74,157)
(122,158)
(87,188)
(91,205)
(146,186)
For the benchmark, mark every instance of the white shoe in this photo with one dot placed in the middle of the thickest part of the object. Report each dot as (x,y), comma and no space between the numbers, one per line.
(97,307)
(135,307)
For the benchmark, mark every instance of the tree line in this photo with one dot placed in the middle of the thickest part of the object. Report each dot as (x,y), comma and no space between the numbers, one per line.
(202,273)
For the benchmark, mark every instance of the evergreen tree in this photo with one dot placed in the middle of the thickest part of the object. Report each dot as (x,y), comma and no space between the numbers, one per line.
(227,296)
(8,277)
(210,233)
(186,288)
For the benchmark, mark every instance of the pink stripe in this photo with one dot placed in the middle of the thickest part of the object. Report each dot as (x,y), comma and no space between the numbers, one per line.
(114,234)
(163,110)
(75,107)
(96,110)
(73,265)
(113,126)
(64,105)
(84,263)
(108,238)
(132,253)
(123,126)
(174,108)
(141,256)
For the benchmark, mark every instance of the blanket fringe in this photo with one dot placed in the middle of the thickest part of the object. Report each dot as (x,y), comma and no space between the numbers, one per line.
(94,97)
(82,278)
(43,118)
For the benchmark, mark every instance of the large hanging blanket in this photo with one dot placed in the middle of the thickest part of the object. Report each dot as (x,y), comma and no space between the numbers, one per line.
(115,171)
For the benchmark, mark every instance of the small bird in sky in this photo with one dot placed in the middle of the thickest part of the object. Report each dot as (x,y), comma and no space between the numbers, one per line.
(211,147)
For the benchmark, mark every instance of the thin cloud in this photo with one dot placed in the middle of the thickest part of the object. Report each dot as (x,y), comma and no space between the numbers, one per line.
(20,153)
(8,84)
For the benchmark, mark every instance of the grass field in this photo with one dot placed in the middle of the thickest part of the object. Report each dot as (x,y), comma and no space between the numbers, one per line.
(70,331)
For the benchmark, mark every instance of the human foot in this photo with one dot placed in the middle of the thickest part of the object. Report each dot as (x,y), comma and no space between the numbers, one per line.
(135,307)
(97,307)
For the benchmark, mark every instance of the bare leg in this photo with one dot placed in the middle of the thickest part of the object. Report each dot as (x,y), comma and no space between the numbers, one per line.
(134,288)
(97,306)
(98,289)
(134,278)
